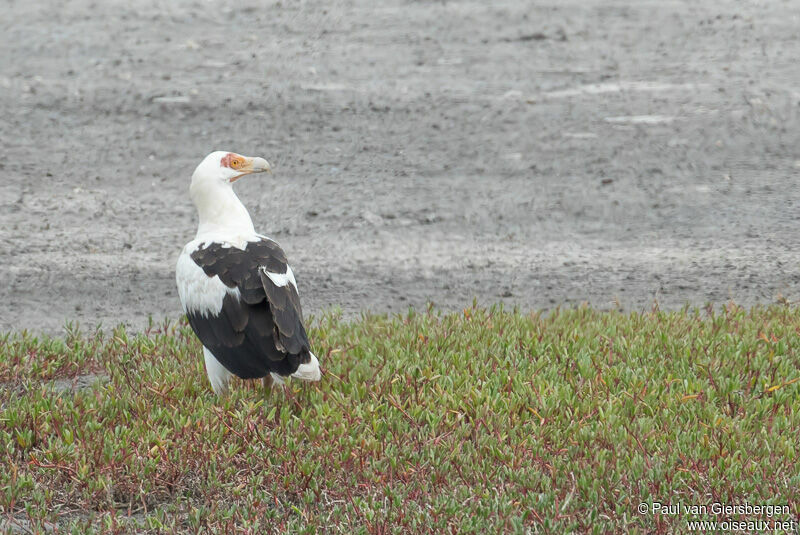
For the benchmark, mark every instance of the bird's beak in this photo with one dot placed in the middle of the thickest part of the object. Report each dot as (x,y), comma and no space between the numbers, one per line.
(260,165)
(253,165)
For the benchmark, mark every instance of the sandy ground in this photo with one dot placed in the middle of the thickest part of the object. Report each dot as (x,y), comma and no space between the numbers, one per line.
(531,153)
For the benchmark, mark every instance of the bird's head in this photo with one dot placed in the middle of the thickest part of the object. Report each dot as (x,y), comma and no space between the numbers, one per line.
(211,190)
(221,167)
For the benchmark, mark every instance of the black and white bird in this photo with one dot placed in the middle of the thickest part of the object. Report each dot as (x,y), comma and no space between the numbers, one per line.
(235,285)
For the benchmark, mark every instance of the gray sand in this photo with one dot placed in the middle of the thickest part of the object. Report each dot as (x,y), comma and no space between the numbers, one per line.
(538,154)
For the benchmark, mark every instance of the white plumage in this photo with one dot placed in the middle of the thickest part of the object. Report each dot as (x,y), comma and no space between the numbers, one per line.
(197,291)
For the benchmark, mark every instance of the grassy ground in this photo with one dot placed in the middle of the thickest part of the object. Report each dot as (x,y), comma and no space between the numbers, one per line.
(482,421)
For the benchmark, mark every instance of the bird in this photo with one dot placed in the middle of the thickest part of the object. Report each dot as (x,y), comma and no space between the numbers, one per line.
(236,287)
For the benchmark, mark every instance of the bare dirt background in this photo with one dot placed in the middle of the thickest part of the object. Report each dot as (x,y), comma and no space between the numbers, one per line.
(534,153)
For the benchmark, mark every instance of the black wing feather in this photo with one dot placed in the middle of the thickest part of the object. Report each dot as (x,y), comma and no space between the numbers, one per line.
(262,331)
(287,315)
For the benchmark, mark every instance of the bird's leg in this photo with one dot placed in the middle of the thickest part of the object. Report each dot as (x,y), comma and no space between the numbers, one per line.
(267,383)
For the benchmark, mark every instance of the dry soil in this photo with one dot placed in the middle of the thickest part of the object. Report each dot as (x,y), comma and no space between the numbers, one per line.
(538,154)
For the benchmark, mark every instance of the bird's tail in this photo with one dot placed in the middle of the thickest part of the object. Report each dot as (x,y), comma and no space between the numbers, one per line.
(309,371)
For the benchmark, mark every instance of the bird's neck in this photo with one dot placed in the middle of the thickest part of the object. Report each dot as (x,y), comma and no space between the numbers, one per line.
(221,212)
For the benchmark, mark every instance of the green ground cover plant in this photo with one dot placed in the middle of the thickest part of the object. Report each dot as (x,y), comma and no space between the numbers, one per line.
(481,421)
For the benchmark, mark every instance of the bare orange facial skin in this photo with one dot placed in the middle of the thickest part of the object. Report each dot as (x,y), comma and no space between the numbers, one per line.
(234,161)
